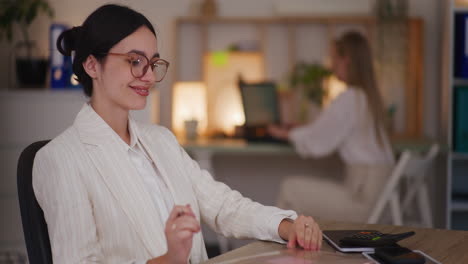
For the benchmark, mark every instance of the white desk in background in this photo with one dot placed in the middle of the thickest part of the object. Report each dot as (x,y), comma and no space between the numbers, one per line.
(202,150)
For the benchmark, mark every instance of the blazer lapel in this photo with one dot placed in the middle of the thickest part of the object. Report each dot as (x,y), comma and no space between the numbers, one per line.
(122,179)
(162,154)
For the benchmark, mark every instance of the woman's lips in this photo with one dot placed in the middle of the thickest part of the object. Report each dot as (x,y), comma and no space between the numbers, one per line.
(143,91)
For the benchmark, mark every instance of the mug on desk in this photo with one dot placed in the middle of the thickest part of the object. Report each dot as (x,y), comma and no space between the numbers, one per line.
(191,129)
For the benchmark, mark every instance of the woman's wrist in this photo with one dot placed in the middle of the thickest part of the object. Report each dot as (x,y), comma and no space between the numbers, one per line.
(159,260)
(283,228)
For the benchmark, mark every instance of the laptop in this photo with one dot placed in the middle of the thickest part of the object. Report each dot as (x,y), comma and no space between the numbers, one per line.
(261,108)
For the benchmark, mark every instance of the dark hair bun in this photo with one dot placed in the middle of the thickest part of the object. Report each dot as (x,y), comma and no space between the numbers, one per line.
(68,40)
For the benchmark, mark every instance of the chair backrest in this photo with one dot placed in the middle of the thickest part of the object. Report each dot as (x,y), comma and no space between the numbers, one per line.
(389,189)
(417,185)
(413,168)
(34,225)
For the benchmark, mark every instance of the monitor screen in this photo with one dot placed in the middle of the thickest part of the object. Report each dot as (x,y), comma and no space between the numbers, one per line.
(260,103)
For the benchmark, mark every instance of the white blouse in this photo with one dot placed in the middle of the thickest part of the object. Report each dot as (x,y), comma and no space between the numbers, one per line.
(148,171)
(346,126)
(154,183)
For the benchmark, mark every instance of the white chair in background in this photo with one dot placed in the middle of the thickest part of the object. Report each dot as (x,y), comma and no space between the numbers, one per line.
(412,169)
(417,190)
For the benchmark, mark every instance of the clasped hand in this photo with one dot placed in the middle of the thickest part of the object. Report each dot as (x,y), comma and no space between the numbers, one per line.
(181,226)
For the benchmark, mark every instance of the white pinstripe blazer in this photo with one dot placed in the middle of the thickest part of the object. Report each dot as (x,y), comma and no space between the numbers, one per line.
(98,210)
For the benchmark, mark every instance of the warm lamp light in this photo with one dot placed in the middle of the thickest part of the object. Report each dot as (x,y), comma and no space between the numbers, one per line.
(221,73)
(334,87)
(189,103)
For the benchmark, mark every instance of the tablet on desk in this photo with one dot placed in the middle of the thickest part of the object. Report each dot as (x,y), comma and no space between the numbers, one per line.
(333,237)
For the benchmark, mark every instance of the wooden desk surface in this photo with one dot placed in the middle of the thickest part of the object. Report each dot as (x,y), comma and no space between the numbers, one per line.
(446,246)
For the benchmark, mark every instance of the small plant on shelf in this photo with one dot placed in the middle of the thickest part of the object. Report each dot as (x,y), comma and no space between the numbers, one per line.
(309,77)
(22,13)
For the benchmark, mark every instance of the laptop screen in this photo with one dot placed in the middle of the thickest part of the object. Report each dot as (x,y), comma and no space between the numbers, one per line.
(260,103)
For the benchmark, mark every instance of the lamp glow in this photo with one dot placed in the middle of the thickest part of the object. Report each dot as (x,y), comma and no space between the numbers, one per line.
(189,103)
(334,87)
(224,98)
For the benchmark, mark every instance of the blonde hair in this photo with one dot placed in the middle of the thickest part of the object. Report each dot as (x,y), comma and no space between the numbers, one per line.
(361,75)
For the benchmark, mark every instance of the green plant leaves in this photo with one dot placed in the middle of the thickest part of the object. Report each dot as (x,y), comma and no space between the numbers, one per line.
(309,76)
(22,12)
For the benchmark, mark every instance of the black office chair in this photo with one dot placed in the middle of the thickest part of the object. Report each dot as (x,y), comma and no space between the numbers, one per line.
(32,217)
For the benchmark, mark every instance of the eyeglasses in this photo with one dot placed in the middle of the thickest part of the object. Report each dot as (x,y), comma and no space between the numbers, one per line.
(139,65)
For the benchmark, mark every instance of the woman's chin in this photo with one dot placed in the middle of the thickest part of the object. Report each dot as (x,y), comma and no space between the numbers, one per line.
(138,105)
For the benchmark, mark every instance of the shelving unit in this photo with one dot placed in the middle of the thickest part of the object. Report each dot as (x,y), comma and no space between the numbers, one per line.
(458,81)
(281,42)
(460,205)
(460,156)
(457,161)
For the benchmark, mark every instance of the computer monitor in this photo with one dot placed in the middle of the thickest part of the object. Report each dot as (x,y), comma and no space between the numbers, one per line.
(260,103)
(261,108)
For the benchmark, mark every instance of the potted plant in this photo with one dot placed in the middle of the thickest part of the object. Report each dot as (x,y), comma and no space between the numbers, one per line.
(307,79)
(30,70)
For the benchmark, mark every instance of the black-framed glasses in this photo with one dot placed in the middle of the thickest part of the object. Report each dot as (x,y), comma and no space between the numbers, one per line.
(139,65)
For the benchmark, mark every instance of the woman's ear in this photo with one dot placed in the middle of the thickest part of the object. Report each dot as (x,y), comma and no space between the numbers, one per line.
(91,66)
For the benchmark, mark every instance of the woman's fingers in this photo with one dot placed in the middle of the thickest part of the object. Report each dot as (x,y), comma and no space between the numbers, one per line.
(320,237)
(182,218)
(277,131)
(316,237)
(292,239)
(181,226)
(313,237)
(186,222)
(188,210)
(307,233)
(308,236)
(300,231)
(176,211)
(179,210)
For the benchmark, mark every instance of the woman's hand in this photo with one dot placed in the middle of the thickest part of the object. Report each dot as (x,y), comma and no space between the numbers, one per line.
(180,228)
(279,132)
(304,231)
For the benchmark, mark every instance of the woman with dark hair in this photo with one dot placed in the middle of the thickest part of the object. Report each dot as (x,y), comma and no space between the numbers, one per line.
(114,190)
(353,126)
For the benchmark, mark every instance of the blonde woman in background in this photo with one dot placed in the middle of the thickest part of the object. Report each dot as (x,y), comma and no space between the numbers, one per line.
(353,126)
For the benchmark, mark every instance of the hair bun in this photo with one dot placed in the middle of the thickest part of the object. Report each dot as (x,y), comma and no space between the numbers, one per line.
(68,40)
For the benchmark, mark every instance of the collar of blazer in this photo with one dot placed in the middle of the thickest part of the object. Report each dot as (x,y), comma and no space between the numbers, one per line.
(113,164)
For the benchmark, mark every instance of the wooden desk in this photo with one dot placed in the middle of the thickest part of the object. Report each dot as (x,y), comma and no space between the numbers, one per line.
(446,246)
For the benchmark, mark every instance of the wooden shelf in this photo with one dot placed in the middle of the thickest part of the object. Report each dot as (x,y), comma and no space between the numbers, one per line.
(279,20)
(461,9)
(460,81)
(460,156)
(460,205)
(460,5)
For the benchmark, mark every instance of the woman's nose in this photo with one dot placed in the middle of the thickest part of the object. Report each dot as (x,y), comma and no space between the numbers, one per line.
(149,75)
